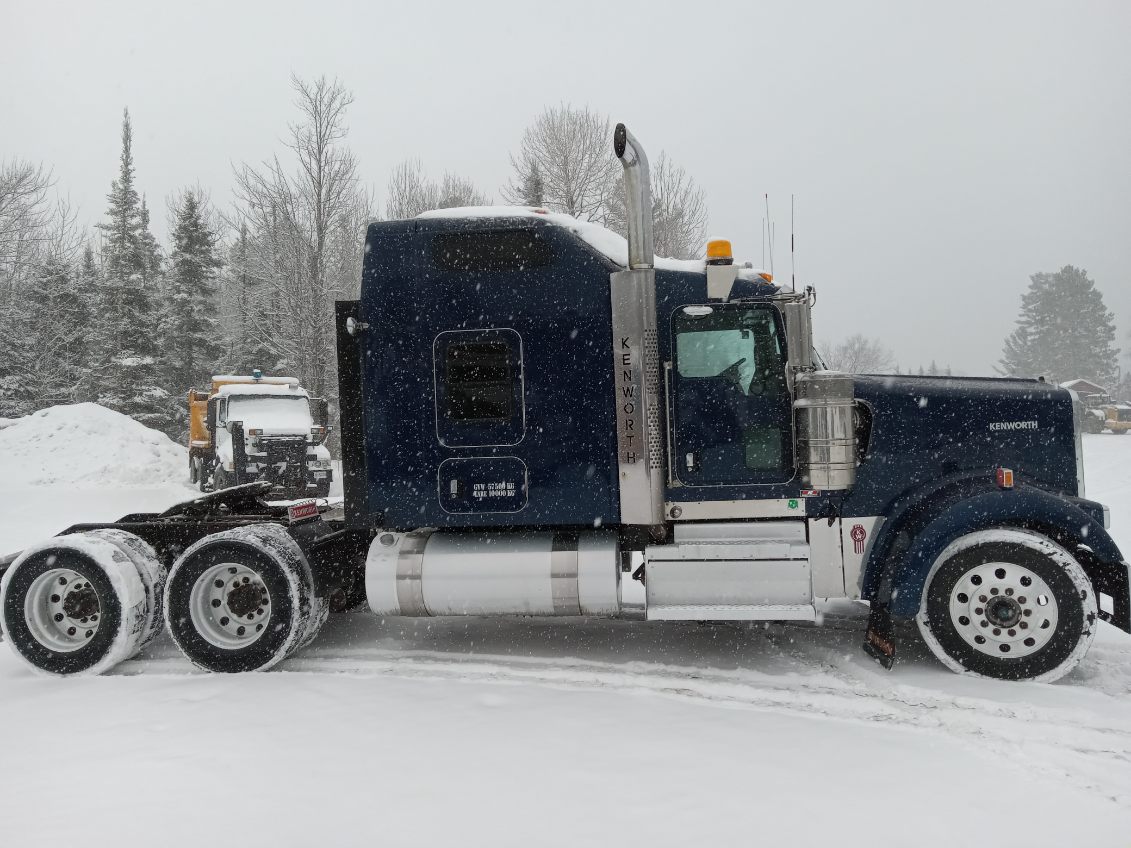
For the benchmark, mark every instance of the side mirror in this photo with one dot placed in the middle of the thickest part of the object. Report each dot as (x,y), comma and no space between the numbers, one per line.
(210,418)
(321,412)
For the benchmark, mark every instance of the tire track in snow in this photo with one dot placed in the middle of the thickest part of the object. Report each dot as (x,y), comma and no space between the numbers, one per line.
(1071,745)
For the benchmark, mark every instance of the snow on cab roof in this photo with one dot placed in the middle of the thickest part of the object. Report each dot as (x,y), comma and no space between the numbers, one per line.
(260,389)
(603,240)
(249,378)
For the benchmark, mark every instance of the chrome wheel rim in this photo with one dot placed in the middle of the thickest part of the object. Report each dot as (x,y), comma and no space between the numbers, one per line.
(230,605)
(62,610)
(1002,609)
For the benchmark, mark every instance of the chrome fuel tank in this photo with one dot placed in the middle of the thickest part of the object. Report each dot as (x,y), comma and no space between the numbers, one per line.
(420,574)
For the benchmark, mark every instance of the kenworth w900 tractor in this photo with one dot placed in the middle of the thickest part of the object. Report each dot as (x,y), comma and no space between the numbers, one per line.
(532,409)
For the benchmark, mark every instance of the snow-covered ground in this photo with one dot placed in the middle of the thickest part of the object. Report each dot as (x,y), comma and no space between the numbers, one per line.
(483,732)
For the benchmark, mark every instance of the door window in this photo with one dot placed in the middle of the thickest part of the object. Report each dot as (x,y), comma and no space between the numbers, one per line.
(732,409)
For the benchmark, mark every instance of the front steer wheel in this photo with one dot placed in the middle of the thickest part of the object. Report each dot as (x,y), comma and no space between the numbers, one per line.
(242,600)
(1008,604)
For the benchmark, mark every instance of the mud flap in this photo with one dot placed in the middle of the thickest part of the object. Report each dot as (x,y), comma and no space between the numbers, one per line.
(879,638)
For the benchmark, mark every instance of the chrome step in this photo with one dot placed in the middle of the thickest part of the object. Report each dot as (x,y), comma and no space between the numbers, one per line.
(752,571)
(732,612)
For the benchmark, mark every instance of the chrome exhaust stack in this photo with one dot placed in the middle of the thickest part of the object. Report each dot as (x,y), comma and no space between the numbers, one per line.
(636,354)
(638,197)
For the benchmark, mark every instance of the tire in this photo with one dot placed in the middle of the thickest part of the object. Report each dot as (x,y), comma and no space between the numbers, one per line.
(73,605)
(221,479)
(152,572)
(322,489)
(221,626)
(1118,432)
(1008,604)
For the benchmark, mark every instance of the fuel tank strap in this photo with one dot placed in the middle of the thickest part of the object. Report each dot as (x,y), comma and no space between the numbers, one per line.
(563,575)
(410,589)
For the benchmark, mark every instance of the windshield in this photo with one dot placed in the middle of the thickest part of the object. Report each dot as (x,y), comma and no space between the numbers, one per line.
(271,412)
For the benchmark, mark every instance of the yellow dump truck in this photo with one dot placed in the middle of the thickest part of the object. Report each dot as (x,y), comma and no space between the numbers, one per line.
(250,428)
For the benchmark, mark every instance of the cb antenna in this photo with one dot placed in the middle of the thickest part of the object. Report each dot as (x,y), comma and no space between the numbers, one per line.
(792,254)
(770,234)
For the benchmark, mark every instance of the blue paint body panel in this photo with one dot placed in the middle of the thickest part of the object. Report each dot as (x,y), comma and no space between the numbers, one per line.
(561,313)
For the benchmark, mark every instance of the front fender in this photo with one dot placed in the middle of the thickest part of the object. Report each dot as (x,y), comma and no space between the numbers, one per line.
(901,583)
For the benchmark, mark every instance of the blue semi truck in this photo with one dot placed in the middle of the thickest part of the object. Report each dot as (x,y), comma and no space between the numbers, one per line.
(533,409)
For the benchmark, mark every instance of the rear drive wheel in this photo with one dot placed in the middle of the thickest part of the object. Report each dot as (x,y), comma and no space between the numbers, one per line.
(152,572)
(1008,604)
(242,600)
(73,605)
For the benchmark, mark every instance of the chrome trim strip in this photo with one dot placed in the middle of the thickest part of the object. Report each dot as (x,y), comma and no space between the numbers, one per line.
(410,568)
(563,575)
(713,510)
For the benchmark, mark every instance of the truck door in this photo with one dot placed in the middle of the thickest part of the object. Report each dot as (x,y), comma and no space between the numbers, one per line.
(730,408)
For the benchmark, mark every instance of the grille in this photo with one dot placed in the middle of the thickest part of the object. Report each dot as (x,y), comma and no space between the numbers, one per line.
(652,388)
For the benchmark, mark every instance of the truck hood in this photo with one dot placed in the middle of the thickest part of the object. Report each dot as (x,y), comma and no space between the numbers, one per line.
(923,428)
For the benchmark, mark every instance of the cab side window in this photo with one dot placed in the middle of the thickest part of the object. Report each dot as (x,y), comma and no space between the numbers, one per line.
(479,388)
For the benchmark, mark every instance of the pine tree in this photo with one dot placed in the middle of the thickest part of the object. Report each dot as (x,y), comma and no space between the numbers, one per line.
(1064,331)
(60,316)
(189,327)
(150,251)
(532,188)
(126,369)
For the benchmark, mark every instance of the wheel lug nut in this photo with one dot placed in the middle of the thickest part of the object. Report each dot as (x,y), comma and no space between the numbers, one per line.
(983,598)
(62,581)
(89,633)
(985,623)
(239,631)
(70,631)
(247,580)
(1020,599)
(1009,591)
(215,602)
(54,599)
(219,584)
(224,621)
(58,616)
(993,591)
(997,631)
(1024,625)
(1012,632)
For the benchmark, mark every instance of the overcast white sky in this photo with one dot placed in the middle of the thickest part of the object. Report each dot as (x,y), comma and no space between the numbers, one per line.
(940,152)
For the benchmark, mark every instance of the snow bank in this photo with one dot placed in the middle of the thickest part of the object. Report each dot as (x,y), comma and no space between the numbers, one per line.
(86,445)
(601,239)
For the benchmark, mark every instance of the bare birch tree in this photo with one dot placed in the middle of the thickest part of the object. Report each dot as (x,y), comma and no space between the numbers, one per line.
(306,230)
(858,354)
(679,211)
(411,192)
(569,151)
(27,216)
